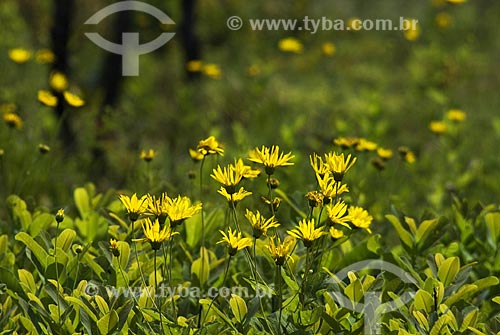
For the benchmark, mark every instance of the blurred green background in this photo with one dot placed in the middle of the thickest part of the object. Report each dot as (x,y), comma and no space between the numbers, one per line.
(377,85)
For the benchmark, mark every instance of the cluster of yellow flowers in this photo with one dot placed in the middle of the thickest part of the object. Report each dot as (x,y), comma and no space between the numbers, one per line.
(59,83)
(440,127)
(154,213)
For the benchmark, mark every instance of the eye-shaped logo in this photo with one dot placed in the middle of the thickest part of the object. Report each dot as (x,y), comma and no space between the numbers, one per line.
(130,49)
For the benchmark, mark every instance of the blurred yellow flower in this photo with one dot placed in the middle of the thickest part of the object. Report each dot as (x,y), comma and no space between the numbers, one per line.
(438,127)
(407,154)
(329,187)
(13,120)
(196,155)
(153,234)
(45,56)
(8,108)
(234,241)
(346,142)
(290,44)
(328,49)
(195,65)
(260,225)
(366,145)
(384,153)
(19,55)
(280,251)
(413,32)
(336,233)
(360,218)
(210,146)
(73,100)
(443,20)
(456,2)
(271,158)
(148,156)
(47,98)
(212,70)
(58,81)
(456,115)
(134,206)
(307,232)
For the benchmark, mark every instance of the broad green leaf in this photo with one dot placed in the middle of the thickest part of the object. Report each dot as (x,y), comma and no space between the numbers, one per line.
(238,307)
(493,224)
(423,301)
(82,201)
(475,331)
(448,270)
(103,305)
(404,235)
(40,253)
(124,249)
(107,323)
(354,291)
(469,320)
(201,267)
(65,239)
(292,284)
(463,293)
(28,325)
(421,319)
(40,222)
(411,224)
(486,282)
(26,279)
(425,228)
(496,299)
(11,281)
(20,213)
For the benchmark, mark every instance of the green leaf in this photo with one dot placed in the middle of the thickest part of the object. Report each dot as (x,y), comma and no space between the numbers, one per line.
(469,320)
(496,299)
(20,213)
(404,235)
(107,323)
(65,239)
(82,201)
(486,282)
(201,267)
(448,270)
(40,222)
(292,284)
(493,224)
(26,278)
(422,319)
(425,228)
(124,249)
(463,292)
(238,307)
(354,291)
(11,281)
(40,253)
(423,301)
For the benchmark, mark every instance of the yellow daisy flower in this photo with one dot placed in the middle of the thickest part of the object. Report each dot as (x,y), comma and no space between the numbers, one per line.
(318,165)
(234,241)
(337,214)
(329,187)
(153,234)
(260,224)
(134,206)
(306,232)
(385,154)
(328,49)
(360,218)
(346,142)
(58,81)
(235,197)
(179,209)
(195,65)
(438,127)
(339,165)
(336,233)
(280,251)
(228,177)
(196,155)
(245,171)
(456,115)
(365,145)
(210,146)
(271,158)
(212,70)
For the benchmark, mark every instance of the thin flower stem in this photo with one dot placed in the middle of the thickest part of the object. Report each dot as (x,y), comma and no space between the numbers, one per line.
(156,293)
(270,193)
(280,296)
(57,275)
(223,283)
(170,252)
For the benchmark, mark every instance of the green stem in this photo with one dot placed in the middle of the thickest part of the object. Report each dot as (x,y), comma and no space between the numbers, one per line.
(223,283)
(57,275)
(270,193)
(156,294)
(280,296)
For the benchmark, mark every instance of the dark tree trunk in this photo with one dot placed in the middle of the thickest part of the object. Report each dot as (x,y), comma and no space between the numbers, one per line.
(189,40)
(60,33)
